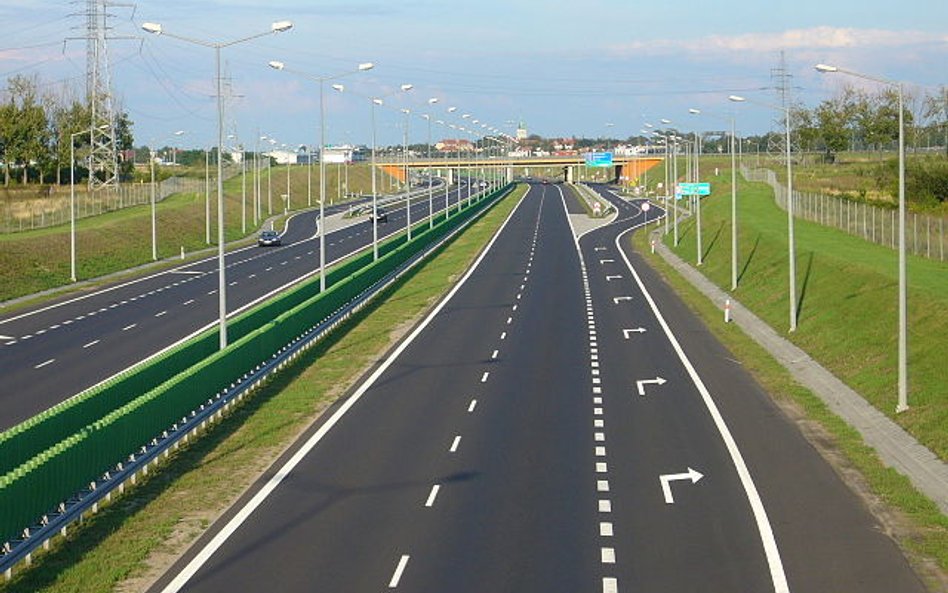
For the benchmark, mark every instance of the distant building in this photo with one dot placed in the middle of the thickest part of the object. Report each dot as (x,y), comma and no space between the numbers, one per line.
(521,131)
(283,157)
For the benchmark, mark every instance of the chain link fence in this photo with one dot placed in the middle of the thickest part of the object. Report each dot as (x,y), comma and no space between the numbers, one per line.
(50,207)
(925,235)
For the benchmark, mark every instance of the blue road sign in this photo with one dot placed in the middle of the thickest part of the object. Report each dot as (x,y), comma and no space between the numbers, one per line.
(693,189)
(599,159)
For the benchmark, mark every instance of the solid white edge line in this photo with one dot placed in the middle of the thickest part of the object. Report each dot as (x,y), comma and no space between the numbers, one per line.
(238,519)
(775,564)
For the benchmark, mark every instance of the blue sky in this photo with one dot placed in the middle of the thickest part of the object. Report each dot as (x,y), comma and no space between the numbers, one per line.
(565,68)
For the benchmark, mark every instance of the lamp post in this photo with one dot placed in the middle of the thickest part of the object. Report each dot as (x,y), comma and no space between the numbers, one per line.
(379,101)
(903,276)
(407,113)
(427,117)
(790,238)
(277,27)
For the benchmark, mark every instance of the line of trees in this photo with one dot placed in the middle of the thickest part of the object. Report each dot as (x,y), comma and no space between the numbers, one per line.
(36,128)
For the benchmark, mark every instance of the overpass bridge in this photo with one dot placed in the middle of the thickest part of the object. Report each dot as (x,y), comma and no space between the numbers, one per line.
(624,170)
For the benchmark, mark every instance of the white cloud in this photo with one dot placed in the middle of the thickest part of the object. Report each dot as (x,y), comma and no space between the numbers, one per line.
(823,37)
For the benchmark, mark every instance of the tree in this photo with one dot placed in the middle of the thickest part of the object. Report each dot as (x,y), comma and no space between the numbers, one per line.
(26,133)
(936,110)
(832,117)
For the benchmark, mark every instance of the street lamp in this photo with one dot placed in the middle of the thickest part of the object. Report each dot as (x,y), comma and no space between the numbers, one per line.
(903,279)
(790,238)
(378,101)
(427,117)
(277,27)
(322,148)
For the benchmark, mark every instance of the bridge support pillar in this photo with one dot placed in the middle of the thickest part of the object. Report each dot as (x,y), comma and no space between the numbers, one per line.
(450,176)
(510,175)
(568,174)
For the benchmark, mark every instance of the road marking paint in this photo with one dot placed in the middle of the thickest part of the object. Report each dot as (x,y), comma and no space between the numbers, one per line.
(600,451)
(598,423)
(484,376)
(509,320)
(473,405)
(161,314)
(594,364)
(213,292)
(234,283)
(188,302)
(6,337)
(602,468)
(113,305)
(595,372)
(765,530)
(619,299)
(397,576)
(518,296)
(605,529)
(593,344)
(80,318)
(600,248)
(493,355)
(503,336)
(57,326)
(597,381)
(268,269)
(640,385)
(432,495)
(597,400)
(605,506)
(610,585)
(454,445)
(608,556)
(607,261)
(600,437)
(41,332)
(602,485)
(597,389)
(597,411)
(42,364)
(522,286)
(92,343)
(594,350)
(515,307)
(128,327)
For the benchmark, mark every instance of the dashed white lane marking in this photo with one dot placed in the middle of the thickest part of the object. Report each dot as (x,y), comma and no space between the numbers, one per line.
(602,468)
(6,337)
(251,276)
(605,505)
(473,405)
(27,337)
(234,283)
(515,307)
(493,355)
(608,556)
(128,327)
(485,376)
(598,423)
(432,495)
(41,332)
(455,444)
(600,451)
(605,529)
(212,292)
(602,485)
(509,320)
(503,336)
(610,585)
(185,303)
(397,576)
(161,314)
(57,326)
(92,343)
(268,269)
(43,364)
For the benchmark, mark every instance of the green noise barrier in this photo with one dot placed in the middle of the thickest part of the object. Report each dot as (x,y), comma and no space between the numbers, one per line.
(50,457)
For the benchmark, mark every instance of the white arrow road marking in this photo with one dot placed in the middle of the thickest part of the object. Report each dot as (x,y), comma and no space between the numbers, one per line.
(617,300)
(628,332)
(641,384)
(600,248)
(667,479)
(612,277)
(607,261)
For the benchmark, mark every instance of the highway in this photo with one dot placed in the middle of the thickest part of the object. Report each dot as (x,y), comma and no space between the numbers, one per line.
(52,352)
(559,422)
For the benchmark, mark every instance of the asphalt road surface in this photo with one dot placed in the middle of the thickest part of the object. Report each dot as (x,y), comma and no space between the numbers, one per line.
(560,422)
(53,352)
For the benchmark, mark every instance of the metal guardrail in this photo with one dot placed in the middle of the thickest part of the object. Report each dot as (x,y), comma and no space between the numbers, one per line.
(56,521)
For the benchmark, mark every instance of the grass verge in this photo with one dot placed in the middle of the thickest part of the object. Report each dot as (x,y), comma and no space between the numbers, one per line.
(129,543)
(920,528)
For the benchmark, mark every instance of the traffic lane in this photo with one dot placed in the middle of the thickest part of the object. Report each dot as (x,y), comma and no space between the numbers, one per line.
(827,539)
(340,521)
(533,525)
(658,428)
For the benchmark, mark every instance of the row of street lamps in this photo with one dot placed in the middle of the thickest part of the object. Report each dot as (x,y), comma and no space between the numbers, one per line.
(671,142)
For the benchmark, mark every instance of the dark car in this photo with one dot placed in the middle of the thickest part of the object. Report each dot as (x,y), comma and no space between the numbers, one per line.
(382,214)
(269,238)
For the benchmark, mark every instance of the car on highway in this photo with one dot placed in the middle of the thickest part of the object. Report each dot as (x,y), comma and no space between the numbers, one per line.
(269,238)
(382,214)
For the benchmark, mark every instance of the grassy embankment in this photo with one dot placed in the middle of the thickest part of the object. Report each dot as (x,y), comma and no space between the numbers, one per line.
(847,321)
(38,260)
(144,530)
